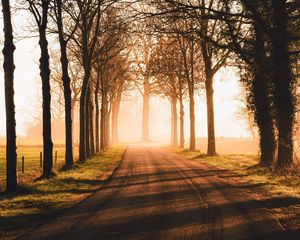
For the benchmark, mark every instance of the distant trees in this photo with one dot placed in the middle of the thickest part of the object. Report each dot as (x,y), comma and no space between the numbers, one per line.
(188,46)
(165,66)
(9,67)
(199,27)
(144,45)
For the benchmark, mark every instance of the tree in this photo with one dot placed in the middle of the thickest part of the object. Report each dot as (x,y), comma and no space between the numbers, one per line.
(86,39)
(39,10)
(284,81)
(188,49)
(110,63)
(267,22)
(64,38)
(165,66)
(9,67)
(143,49)
(75,73)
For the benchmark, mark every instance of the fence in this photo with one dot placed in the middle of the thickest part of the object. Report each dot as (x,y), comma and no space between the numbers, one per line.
(30,159)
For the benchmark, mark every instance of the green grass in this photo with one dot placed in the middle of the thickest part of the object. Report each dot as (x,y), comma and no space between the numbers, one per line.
(36,200)
(32,161)
(246,165)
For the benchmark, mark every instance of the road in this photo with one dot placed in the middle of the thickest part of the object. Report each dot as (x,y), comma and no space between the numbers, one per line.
(155,194)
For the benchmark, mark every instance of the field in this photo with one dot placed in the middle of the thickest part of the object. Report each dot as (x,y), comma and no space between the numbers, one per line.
(32,161)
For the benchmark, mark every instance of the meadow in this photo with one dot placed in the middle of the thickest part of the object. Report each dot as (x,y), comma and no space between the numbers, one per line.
(32,161)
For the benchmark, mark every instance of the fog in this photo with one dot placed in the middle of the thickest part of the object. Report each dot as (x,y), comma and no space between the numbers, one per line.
(28,105)
(232,135)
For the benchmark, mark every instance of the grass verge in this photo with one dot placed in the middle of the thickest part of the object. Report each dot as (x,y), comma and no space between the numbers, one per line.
(246,166)
(278,191)
(37,201)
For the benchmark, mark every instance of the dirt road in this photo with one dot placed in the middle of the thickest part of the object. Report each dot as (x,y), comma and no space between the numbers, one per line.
(155,194)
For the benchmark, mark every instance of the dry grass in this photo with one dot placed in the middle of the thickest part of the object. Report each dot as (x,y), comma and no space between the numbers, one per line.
(286,183)
(32,162)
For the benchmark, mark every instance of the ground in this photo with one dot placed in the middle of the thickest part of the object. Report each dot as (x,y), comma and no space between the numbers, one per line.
(279,191)
(156,194)
(37,201)
(32,161)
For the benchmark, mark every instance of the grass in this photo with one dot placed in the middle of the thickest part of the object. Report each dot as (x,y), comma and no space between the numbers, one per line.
(246,165)
(37,200)
(278,191)
(32,161)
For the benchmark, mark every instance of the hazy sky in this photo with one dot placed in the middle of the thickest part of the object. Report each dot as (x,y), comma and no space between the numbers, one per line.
(27,88)
(26,77)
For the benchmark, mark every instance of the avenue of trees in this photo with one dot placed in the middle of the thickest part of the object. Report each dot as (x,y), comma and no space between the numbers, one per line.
(262,39)
(172,48)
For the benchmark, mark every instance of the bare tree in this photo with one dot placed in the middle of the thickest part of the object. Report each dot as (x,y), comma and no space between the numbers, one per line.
(142,51)
(166,67)
(86,39)
(39,9)
(188,51)
(64,36)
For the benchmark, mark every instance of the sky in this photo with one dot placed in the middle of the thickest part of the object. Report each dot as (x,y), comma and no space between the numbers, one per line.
(26,77)
(28,88)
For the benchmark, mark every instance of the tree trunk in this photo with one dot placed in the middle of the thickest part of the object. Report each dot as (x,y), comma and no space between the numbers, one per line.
(82,111)
(9,67)
(67,89)
(107,125)
(181,142)
(192,122)
(107,130)
(87,124)
(45,76)
(146,109)
(115,117)
(174,137)
(68,113)
(97,120)
(261,91)
(264,120)
(82,136)
(284,84)
(191,88)
(92,136)
(211,144)
(103,121)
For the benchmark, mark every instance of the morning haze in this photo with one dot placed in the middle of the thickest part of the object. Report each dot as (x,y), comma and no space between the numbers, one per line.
(124,119)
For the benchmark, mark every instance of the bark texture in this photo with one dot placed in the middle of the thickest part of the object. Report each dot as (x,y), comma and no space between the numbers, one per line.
(9,68)
(146,109)
(284,82)
(67,89)
(174,134)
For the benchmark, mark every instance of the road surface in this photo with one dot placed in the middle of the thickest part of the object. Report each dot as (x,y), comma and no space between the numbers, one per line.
(155,194)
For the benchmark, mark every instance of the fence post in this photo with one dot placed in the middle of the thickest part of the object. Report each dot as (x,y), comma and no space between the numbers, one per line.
(23,164)
(41,159)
